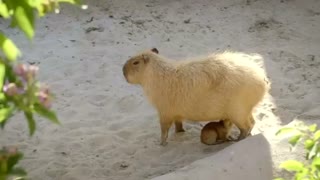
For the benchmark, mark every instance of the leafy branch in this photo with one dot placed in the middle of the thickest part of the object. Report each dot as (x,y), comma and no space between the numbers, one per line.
(20,91)
(310,137)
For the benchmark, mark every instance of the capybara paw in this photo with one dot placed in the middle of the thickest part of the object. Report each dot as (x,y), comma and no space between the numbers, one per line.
(241,138)
(163,143)
(180,130)
(230,138)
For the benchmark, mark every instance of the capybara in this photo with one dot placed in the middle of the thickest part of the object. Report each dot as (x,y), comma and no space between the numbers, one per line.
(225,85)
(216,132)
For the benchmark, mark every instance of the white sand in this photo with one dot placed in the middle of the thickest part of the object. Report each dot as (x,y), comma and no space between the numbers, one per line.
(109,130)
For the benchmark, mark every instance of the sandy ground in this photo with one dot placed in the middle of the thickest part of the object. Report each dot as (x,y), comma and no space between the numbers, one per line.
(109,130)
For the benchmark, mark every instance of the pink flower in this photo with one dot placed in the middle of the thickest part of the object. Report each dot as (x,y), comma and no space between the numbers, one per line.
(21,69)
(25,71)
(11,150)
(45,89)
(11,89)
(32,70)
(45,98)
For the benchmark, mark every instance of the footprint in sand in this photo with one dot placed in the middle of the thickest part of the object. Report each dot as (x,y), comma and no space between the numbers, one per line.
(117,126)
(98,100)
(121,165)
(124,134)
(128,103)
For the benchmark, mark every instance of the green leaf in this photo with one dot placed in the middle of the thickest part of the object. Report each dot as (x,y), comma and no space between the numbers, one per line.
(313,151)
(316,163)
(2,97)
(46,113)
(71,1)
(316,135)
(288,131)
(40,6)
(24,17)
(10,74)
(67,1)
(303,175)
(308,144)
(13,23)
(4,12)
(34,3)
(292,165)
(18,172)
(9,48)
(294,140)
(2,75)
(5,113)
(313,127)
(13,160)
(3,123)
(31,122)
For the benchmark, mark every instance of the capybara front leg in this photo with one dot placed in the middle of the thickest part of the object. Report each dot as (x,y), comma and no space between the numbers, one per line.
(165,126)
(179,126)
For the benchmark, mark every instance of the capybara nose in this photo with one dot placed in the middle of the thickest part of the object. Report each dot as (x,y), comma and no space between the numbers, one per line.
(124,71)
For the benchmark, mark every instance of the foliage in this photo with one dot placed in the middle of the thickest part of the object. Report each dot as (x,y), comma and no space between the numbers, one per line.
(9,157)
(310,137)
(20,90)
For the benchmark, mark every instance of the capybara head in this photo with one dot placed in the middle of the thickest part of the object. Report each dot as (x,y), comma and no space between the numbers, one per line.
(134,68)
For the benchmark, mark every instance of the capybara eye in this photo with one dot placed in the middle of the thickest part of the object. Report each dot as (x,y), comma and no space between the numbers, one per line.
(136,63)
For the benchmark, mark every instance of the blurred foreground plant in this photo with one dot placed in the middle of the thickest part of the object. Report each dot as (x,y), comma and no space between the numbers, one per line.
(310,137)
(20,90)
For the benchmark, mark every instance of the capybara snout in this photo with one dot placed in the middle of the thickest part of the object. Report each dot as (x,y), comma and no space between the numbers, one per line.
(124,71)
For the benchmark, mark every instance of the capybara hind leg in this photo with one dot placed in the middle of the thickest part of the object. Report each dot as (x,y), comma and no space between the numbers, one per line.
(243,133)
(230,138)
(179,126)
(244,127)
(253,122)
(165,126)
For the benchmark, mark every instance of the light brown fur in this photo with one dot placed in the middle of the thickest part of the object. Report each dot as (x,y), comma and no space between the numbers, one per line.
(220,86)
(216,132)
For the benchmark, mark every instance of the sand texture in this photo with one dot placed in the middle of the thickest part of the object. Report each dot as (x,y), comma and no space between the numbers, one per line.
(109,131)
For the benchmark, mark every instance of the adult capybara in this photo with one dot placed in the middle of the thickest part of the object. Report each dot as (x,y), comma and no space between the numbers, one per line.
(224,86)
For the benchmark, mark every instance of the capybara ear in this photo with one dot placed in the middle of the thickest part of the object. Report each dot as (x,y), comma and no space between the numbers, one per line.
(155,50)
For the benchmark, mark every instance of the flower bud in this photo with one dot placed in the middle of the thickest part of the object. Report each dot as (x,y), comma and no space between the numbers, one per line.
(32,70)
(10,89)
(11,150)
(45,98)
(21,69)
(26,72)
